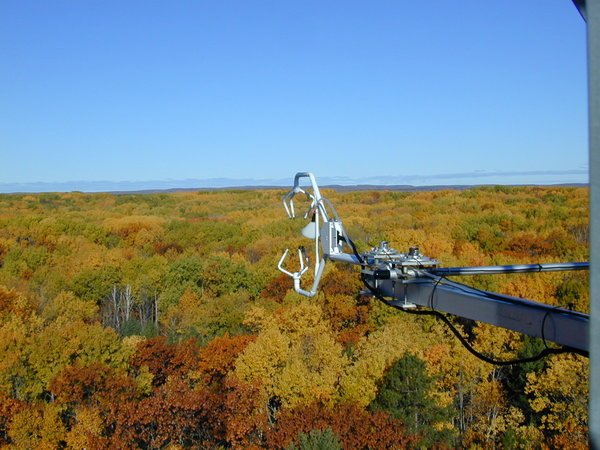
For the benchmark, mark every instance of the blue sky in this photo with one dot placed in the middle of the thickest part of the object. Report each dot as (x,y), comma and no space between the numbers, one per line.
(398,92)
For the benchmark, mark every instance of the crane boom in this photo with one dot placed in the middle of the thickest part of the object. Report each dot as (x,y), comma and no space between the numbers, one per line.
(559,325)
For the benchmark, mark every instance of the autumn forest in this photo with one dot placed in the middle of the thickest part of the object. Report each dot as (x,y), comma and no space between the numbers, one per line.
(161,321)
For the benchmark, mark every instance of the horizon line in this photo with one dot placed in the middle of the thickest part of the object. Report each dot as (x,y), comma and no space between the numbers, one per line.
(524,178)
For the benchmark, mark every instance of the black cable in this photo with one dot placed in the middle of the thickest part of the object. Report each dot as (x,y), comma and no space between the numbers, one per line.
(550,311)
(354,250)
(546,352)
(433,293)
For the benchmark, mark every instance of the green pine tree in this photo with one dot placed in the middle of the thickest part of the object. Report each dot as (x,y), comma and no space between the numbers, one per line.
(405,394)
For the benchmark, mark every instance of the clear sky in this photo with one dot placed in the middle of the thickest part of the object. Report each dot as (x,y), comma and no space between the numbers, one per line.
(405,92)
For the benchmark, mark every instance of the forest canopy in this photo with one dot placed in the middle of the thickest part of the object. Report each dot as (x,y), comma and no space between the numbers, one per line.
(160,321)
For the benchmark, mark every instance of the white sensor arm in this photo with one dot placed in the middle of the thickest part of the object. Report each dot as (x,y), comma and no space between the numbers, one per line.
(328,233)
(315,197)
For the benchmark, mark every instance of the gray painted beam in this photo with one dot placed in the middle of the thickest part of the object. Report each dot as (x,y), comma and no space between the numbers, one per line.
(592,10)
(562,326)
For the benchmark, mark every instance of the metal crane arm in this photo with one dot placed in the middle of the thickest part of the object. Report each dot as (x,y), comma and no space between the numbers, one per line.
(562,326)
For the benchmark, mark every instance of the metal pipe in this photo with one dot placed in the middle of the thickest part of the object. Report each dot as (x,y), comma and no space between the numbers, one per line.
(514,268)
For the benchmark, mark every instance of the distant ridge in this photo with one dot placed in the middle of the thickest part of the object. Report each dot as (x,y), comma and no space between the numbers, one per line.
(337,183)
(455,187)
(350,188)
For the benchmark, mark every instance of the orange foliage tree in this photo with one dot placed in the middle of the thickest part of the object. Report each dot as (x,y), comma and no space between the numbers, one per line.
(354,426)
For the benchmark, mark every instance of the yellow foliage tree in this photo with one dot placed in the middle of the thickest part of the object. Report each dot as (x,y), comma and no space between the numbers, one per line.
(71,308)
(87,428)
(39,426)
(295,356)
(561,394)
(64,343)
(376,353)
(14,339)
(457,372)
